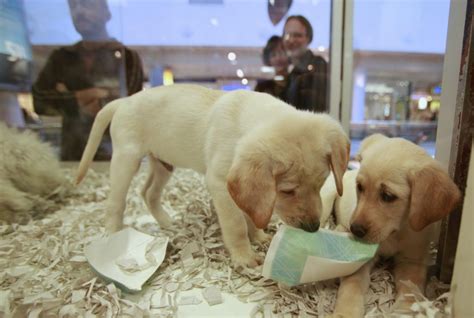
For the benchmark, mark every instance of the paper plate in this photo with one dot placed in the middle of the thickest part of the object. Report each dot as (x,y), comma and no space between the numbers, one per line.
(127,258)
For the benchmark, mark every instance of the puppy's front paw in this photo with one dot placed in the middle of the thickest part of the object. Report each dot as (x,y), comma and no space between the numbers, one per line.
(112,226)
(348,310)
(338,315)
(260,237)
(345,314)
(163,219)
(246,259)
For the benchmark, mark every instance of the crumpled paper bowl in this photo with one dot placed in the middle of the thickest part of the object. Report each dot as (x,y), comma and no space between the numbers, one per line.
(297,257)
(128,258)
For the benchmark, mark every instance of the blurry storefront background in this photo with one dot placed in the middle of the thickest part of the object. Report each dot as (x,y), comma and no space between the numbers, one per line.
(398,51)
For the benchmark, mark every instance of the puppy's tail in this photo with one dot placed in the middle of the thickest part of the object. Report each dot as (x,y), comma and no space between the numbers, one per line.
(102,120)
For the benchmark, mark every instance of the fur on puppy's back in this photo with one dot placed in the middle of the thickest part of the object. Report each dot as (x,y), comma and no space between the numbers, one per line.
(139,113)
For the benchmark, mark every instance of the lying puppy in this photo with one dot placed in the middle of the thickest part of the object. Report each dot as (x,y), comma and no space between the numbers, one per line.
(29,173)
(258,154)
(398,191)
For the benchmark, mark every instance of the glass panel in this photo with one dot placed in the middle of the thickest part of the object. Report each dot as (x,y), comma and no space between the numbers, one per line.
(215,43)
(398,69)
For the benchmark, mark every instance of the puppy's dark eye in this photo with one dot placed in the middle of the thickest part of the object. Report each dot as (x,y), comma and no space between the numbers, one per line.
(388,197)
(288,192)
(360,188)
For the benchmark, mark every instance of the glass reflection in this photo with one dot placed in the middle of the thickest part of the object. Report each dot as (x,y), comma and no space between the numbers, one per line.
(78,80)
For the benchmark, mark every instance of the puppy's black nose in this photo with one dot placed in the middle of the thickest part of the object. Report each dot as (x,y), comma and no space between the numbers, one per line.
(310,227)
(358,230)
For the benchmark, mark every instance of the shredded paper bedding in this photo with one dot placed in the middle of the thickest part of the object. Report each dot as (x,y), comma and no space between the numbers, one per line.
(44,272)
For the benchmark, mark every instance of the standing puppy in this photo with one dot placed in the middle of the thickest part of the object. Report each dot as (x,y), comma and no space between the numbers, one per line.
(257,153)
(399,190)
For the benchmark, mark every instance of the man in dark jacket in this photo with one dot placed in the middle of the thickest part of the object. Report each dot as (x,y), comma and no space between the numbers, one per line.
(308,78)
(78,80)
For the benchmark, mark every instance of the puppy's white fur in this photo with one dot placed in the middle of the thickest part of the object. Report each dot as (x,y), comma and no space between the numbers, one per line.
(340,208)
(29,172)
(395,195)
(257,153)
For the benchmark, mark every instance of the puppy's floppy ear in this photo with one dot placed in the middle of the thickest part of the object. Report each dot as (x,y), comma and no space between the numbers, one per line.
(338,160)
(252,186)
(433,196)
(367,142)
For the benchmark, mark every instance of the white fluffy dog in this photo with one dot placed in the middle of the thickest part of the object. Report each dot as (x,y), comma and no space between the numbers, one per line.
(29,173)
(258,155)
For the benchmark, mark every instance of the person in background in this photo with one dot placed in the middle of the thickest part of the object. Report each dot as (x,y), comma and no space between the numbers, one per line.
(274,55)
(78,80)
(308,77)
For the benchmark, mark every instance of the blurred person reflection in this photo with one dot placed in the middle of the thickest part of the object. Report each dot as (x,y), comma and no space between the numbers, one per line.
(78,80)
(274,55)
(308,78)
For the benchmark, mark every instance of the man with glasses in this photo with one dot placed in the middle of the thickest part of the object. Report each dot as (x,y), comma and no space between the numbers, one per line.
(308,79)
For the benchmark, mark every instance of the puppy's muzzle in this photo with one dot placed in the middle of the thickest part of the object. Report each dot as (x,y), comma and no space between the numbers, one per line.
(358,230)
(310,227)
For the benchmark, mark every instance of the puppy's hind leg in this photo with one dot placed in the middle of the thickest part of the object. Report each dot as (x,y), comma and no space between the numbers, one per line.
(158,177)
(123,167)
(406,271)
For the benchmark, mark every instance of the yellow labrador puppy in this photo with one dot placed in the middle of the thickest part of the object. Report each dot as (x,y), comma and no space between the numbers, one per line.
(257,153)
(398,191)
